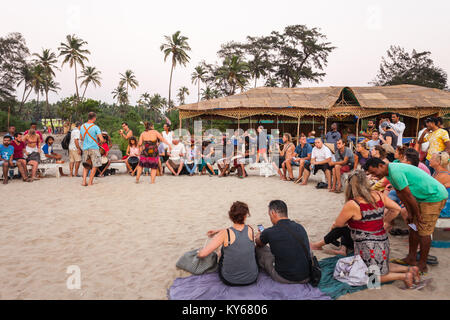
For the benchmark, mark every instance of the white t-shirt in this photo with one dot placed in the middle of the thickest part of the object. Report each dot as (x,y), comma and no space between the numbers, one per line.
(75,134)
(176,151)
(168,137)
(399,128)
(425,145)
(321,154)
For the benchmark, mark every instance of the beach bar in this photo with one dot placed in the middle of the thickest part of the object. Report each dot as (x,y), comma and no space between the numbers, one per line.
(297,110)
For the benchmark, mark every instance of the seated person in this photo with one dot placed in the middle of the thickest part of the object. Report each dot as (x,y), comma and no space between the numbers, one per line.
(52,157)
(133,153)
(379,152)
(207,161)
(190,161)
(375,140)
(285,155)
(320,160)
(363,212)
(390,152)
(246,156)
(345,245)
(344,162)
(227,154)
(175,163)
(362,154)
(6,157)
(20,158)
(237,262)
(302,156)
(104,151)
(440,163)
(399,153)
(288,260)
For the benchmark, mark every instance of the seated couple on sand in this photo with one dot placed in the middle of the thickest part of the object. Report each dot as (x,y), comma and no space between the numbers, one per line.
(285,261)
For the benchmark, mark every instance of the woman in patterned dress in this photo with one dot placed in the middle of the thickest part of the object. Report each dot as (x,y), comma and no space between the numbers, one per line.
(149,158)
(363,212)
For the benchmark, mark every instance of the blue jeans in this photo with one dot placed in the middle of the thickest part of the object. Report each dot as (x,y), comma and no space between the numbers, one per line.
(190,167)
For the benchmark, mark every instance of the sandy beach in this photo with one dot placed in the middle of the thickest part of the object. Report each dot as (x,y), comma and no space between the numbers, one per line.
(127,237)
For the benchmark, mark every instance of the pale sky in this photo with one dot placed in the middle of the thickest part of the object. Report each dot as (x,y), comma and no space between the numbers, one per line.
(125,35)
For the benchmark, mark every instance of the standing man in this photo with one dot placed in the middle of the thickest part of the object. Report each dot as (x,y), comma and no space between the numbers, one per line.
(6,157)
(75,150)
(302,156)
(125,132)
(333,136)
(424,198)
(344,162)
(11,132)
(168,135)
(437,137)
(398,127)
(92,137)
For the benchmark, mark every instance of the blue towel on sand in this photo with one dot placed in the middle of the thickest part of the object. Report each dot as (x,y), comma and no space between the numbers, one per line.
(329,285)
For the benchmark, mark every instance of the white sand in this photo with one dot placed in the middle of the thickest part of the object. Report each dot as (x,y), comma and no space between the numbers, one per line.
(126,238)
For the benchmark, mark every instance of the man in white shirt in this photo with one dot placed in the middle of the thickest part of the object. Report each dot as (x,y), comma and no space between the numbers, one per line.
(168,135)
(320,160)
(75,149)
(175,163)
(398,127)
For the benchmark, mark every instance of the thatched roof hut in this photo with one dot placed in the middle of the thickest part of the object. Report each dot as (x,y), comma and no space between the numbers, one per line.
(296,103)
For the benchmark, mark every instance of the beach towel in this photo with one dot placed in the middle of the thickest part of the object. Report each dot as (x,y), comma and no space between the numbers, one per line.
(329,285)
(209,287)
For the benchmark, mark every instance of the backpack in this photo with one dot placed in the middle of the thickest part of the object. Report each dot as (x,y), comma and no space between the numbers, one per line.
(66,141)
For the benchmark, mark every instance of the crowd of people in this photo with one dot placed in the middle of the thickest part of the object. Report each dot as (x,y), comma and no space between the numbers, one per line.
(385,179)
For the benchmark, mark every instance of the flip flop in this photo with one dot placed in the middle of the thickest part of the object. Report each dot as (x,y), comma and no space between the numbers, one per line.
(399,232)
(399,261)
(431,260)
(338,191)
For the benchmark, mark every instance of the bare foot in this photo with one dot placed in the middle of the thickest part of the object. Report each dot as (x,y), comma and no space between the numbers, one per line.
(409,278)
(415,271)
(331,190)
(84,184)
(422,266)
(303,183)
(315,246)
(411,262)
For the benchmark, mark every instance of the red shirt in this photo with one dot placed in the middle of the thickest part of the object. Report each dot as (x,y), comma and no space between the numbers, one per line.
(18,149)
(105,146)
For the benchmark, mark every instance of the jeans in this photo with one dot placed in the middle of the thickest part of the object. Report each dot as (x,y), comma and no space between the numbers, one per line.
(343,233)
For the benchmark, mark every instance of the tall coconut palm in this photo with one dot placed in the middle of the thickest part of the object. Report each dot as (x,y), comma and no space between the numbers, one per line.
(158,103)
(258,67)
(90,74)
(37,81)
(74,54)
(208,93)
(177,46)
(47,60)
(197,77)
(128,79)
(120,94)
(234,72)
(182,93)
(26,77)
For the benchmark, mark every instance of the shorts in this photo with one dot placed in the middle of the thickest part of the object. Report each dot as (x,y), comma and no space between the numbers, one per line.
(430,212)
(174,165)
(262,150)
(74,156)
(324,167)
(94,155)
(345,169)
(3,161)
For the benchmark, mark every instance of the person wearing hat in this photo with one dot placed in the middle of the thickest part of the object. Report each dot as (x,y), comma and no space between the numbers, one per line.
(389,136)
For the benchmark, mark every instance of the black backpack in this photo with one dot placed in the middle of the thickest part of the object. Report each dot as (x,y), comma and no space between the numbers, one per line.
(66,141)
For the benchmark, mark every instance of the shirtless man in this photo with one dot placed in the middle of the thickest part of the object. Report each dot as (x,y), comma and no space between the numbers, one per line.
(32,141)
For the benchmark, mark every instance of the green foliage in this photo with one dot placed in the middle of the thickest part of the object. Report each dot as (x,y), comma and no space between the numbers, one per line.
(13,121)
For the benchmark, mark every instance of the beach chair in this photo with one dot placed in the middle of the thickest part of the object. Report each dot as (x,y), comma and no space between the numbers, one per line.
(45,166)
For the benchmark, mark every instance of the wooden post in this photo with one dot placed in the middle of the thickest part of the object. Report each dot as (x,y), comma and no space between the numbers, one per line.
(238,123)
(417,127)
(298,130)
(179,119)
(313,124)
(357,131)
(9,112)
(325,129)
(277,122)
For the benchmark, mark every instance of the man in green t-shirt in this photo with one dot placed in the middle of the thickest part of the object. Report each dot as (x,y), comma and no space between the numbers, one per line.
(424,198)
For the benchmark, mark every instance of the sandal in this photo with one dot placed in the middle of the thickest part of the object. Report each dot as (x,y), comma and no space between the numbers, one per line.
(399,261)
(399,232)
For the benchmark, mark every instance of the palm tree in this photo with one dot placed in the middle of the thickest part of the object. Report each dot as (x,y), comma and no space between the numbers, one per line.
(258,67)
(182,93)
(90,74)
(121,95)
(128,79)
(74,54)
(197,77)
(47,60)
(234,72)
(208,93)
(158,103)
(177,46)
(26,77)
(37,81)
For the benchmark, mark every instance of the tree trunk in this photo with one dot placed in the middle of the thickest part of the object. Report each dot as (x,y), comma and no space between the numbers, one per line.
(48,111)
(84,92)
(198,90)
(170,82)
(24,99)
(255,81)
(76,83)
